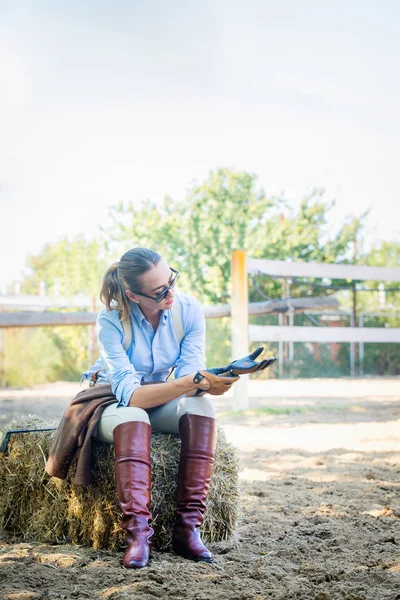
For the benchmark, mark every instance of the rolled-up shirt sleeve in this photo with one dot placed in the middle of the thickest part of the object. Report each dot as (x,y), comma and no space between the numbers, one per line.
(192,351)
(122,374)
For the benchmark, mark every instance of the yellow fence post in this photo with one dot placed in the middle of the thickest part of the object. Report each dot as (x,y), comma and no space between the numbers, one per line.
(240,323)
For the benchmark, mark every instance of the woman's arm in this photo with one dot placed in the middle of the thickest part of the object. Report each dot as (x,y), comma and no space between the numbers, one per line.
(156,394)
(148,396)
(122,375)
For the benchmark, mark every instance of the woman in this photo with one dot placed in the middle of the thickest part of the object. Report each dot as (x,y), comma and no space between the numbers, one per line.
(141,289)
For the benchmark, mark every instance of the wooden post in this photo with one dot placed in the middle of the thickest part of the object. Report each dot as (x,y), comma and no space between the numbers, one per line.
(2,360)
(355,324)
(285,345)
(91,333)
(240,323)
(281,359)
(361,348)
(291,344)
(352,351)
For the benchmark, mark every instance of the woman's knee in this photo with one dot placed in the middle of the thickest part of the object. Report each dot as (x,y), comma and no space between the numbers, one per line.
(203,406)
(113,416)
(131,413)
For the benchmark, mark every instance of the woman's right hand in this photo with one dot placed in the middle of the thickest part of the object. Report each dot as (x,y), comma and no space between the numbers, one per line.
(213,384)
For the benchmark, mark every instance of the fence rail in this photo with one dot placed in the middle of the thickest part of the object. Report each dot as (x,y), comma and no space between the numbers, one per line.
(53,319)
(332,271)
(272,333)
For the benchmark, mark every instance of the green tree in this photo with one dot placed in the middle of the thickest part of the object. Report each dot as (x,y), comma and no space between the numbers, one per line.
(229,211)
(198,234)
(73,266)
(52,353)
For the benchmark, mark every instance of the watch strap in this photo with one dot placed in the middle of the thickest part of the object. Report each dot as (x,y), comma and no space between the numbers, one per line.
(198,377)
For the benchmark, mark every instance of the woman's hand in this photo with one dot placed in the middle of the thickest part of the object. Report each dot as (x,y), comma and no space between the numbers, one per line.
(213,384)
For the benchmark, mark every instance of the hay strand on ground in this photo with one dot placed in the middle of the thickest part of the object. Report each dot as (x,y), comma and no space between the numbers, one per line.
(48,509)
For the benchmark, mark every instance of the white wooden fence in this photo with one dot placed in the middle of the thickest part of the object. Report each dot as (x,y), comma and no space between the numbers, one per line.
(242,333)
(239,309)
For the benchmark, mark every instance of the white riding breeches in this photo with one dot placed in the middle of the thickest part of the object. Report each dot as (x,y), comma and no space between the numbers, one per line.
(162,418)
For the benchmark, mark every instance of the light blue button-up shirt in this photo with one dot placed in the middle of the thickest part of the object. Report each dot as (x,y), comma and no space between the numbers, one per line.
(151,354)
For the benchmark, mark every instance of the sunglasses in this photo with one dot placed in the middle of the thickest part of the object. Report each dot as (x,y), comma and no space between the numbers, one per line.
(160,297)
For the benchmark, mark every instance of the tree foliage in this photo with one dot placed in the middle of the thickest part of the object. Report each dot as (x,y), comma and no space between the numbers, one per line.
(67,268)
(70,266)
(229,211)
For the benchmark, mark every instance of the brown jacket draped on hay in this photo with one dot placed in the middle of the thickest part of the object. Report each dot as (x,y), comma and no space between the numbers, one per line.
(74,434)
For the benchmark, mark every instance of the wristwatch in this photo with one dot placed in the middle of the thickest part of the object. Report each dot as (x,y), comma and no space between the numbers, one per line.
(198,377)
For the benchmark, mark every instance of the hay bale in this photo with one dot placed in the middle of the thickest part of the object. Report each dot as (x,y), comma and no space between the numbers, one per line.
(48,509)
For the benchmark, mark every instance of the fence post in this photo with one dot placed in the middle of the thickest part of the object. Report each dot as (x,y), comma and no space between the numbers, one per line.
(361,346)
(352,351)
(2,360)
(281,359)
(240,323)
(291,344)
(91,333)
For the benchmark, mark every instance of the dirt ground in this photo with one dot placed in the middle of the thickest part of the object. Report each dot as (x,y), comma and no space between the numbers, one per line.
(320,505)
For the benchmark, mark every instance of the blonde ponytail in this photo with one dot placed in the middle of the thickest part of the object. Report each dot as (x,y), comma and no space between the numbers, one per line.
(112,292)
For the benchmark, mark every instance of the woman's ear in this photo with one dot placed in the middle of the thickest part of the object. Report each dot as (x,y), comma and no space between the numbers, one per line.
(131,296)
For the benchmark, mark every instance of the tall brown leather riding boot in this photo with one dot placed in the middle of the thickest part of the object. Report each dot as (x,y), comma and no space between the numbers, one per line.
(133,476)
(198,437)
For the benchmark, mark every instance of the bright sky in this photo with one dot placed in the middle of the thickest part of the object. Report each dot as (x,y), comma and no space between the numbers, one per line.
(102,102)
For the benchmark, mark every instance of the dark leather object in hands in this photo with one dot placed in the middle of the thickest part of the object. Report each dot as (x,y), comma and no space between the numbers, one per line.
(244,365)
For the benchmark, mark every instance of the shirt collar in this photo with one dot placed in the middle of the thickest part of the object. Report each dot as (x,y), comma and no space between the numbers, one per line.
(139,316)
(137,313)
